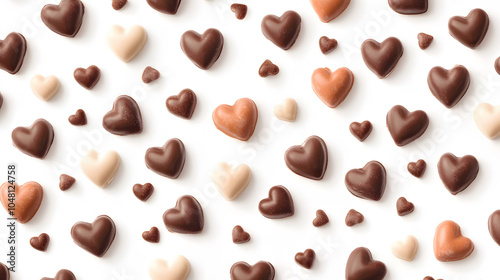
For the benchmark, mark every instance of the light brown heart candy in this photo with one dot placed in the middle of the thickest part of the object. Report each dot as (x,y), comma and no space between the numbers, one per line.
(328,10)
(28,198)
(237,121)
(332,87)
(487,118)
(45,87)
(177,268)
(231,182)
(449,244)
(405,250)
(286,111)
(100,169)
(127,44)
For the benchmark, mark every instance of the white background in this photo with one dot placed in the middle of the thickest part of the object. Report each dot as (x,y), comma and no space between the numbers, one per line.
(234,76)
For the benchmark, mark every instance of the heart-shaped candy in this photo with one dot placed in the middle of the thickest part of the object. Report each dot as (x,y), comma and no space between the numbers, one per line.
(95,237)
(185,217)
(328,10)
(367,182)
(286,111)
(203,49)
(231,182)
(449,244)
(168,160)
(487,118)
(12,51)
(405,250)
(44,87)
(127,44)
(100,169)
(406,127)
(310,159)
(282,31)
(27,200)
(448,86)
(237,121)
(278,205)
(35,140)
(332,87)
(64,19)
(260,271)
(382,58)
(470,30)
(361,265)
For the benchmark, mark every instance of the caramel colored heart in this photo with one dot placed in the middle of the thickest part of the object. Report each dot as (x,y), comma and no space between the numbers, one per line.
(487,118)
(100,169)
(26,202)
(332,87)
(328,10)
(127,44)
(44,87)
(449,244)
(237,121)
(177,268)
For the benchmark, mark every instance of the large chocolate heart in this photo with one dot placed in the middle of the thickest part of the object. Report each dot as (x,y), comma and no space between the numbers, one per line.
(282,31)
(278,205)
(328,10)
(96,237)
(185,217)
(237,121)
(260,271)
(165,6)
(367,182)
(4,272)
(12,51)
(64,19)
(310,159)
(182,104)
(27,200)
(409,7)
(62,274)
(203,50)
(332,87)
(406,127)
(168,160)
(448,86)
(457,173)
(494,226)
(470,30)
(124,118)
(35,140)
(361,266)
(382,58)
(449,244)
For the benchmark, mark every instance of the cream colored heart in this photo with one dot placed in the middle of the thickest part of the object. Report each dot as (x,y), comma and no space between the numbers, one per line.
(487,118)
(44,87)
(405,250)
(127,44)
(286,111)
(100,169)
(231,182)
(177,268)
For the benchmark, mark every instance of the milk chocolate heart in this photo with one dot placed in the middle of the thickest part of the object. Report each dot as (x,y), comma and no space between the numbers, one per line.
(12,51)
(35,140)
(448,86)
(89,77)
(165,6)
(64,19)
(118,4)
(332,87)
(406,127)
(239,10)
(66,182)
(182,104)
(177,268)
(143,192)
(27,200)
(361,130)
(321,219)
(203,50)
(124,118)
(361,265)
(494,226)
(409,7)
(95,237)
(150,74)
(309,160)
(240,236)
(424,40)
(457,173)
(353,218)
(268,68)
(405,250)
(282,31)
(185,217)
(404,207)
(62,274)
(449,244)
(327,45)
(237,121)
(286,111)
(168,160)
(417,169)
(328,10)
(127,44)
(469,30)
(260,271)
(278,205)
(4,272)
(305,259)
(231,182)
(44,87)
(100,169)
(487,119)
(382,58)
(152,235)
(367,182)
(40,242)
(79,118)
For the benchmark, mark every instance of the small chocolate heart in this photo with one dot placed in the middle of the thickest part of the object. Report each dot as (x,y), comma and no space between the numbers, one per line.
(118,4)
(95,237)
(64,19)
(35,140)
(278,205)
(152,235)
(143,192)
(449,86)
(327,45)
(182,104)
(406,127)
(89,77)
(409,7)
(185,217)
(27,199)
(203,50)
(449,244)
(240,236)
(40,242)
(361,265)
(457,173)
(237,121)
(367,182)
(150,74)
(305,259)
(382,58)
(260,271)
(66,182)
(321,219)
(361,130)
(168,7)
(124,118)
(12,51)
(62,274)
(309,160)
(282,31)
(239,10)
(404,207)
(470,30)
(268,69)
(168,160)
(494,226)
(1,100)
(417,169)
(424,40)
(79,118)
(329,10)
(497,65)
(353,218)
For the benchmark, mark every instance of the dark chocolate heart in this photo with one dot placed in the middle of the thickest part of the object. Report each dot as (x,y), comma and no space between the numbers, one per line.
(268,68)
(152,235)
(382,58)
(424,40)
(12,51)
(361,130)
(168,160)
(96,237)
(185,217)
(143,192)
(305,259)
(203,50)
(89,77)
(118,4)
(321,219)
(409,7)
(182,104)
(4,272)
(35,140)
(470,30)
(260,271)
(361,266)
(64,19)
(40,242)
(404,207)
(66,182)
(282,31)
(124,118)
(367,182)
(278,205)
(79,118)
(62,274)
(353,218)
(169,7)
(310,159)
(449,86)
(406,127)
(494,226)
(327,45)
(150,74)
(417,169)
(457,173)
(240,236)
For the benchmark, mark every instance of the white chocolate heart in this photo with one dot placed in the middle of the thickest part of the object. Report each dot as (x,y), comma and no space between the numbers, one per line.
(100,169)
(231,182)
(44,87)
(487,118)
(405,250)
(286,111)
(127,44)
(177,268)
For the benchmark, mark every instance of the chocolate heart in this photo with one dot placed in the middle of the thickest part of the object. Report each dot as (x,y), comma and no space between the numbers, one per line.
(165,6)
(487,119)
(305,259)
(470,30)
(127,44)
(150,74)
(27,200)
(168,160)
(404,207)
(327,45)
(237,121)
(367,182)
(424,40)
(143,192)
(185,217)
(497,65)
(203,50)
(79,118)
(278,205)
(382,58)
(4,272)
(35,140)
(282,31)
(40,242)
(89,77)
(239,10)
(417,169)
(332,87)
(64,19)
(457,173)
(118,4)
(409,7)
(66,182)
(361,130)
(152,235)
(361,265)
(321,219)
(96,237)
(329,10)
(182,104)
(62,274)
(260,271)
(240,236)
(406,127)
(12,51)
(353,218)
(449,244)
(448,86)
(268,69)
(494,226)
(309,160)
(124,118)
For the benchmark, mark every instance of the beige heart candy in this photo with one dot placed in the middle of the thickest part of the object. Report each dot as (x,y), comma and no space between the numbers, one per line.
(286,111)
(405,250)
(231,182)
(44,87)
(100,169)
(177,268)
(487,118)
(127,44)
